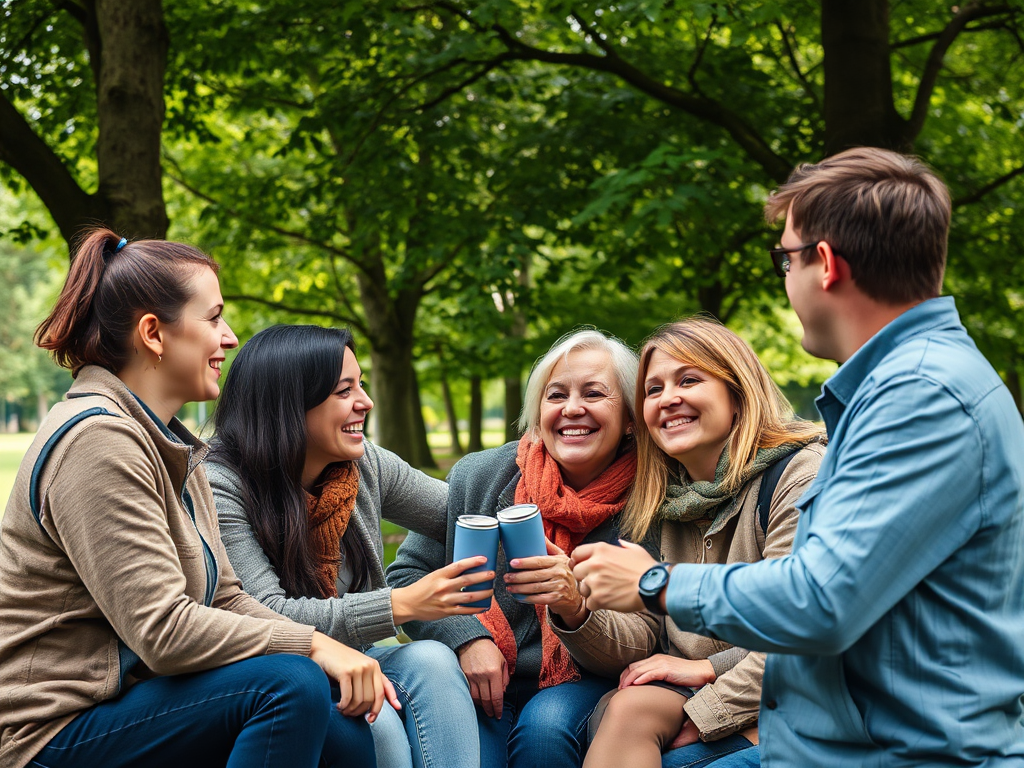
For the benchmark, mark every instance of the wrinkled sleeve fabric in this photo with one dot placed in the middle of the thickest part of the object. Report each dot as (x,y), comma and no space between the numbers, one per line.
(892,511)
(104,511)
(409,497)
(419,555)
(356,619)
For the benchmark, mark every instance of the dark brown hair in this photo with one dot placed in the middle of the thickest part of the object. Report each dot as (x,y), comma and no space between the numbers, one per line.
(885,213)
(108,289)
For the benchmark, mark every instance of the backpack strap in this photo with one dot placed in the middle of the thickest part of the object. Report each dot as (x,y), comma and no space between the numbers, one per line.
(769,482)
(37,470)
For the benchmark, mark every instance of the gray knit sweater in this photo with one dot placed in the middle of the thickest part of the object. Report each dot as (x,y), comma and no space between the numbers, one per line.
(388,488)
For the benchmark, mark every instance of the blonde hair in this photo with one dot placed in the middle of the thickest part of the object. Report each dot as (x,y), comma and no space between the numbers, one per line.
(624,364)
(765,418)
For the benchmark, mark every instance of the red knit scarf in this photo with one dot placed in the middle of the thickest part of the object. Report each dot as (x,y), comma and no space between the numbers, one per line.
(568,517)
(329,514)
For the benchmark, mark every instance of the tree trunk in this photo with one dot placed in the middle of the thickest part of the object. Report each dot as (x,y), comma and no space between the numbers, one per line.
(131,114)
(449,410)
(513,405)
(390,322)
(127,44)
(476,415)
(1013,384)
(859,109)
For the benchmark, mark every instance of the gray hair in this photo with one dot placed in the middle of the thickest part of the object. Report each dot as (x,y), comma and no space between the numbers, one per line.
(624,366)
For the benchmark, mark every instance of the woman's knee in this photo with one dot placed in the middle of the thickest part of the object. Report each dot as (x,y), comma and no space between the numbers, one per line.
(633,709)
(294,680)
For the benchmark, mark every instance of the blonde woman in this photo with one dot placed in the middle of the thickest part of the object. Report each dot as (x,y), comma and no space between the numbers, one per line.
(720,465)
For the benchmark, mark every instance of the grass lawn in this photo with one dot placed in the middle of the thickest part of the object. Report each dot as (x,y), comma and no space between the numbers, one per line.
(12,448)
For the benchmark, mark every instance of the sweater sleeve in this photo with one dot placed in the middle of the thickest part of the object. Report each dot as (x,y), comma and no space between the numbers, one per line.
(608,642)
(419,555)
(732,702)
(356,619)
(105,511)
(409,497)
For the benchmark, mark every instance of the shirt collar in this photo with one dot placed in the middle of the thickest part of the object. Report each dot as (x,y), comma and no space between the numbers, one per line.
(927,316)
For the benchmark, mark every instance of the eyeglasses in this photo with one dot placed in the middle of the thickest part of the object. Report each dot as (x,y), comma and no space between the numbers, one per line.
(781,260)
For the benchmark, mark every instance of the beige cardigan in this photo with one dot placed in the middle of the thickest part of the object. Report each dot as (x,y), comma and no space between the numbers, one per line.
(608,642)
(114,581)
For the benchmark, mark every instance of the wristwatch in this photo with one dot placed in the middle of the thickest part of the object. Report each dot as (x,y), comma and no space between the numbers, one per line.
(651,585)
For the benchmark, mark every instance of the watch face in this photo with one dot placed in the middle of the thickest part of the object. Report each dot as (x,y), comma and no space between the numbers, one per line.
(653,580)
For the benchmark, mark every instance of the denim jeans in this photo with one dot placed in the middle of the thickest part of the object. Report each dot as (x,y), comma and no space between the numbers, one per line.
(541,729)
(435,728)
(731,752)
(269,711)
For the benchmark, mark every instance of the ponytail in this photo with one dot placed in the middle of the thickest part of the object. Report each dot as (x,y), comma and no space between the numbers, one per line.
(110,285)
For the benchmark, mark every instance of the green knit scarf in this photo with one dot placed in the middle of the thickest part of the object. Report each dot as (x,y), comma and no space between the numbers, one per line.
(704,500)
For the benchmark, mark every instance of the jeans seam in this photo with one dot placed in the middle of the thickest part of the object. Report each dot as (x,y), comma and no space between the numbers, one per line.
(134,723)
(410,708)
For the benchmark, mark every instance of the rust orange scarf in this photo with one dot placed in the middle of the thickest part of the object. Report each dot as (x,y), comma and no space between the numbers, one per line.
(568,517)
(329,515)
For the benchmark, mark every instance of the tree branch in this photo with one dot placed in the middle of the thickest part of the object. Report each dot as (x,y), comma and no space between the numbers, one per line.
(993,185)
(70,206)
(976,9)
(927,38)
(791,55)
(292,234)
(489,66)
(355,322)
(701,107)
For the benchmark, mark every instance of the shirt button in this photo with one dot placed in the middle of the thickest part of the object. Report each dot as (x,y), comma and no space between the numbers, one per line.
(707,543)
(771,704)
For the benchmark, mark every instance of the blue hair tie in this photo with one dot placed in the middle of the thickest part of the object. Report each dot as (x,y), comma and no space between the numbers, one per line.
(122,244)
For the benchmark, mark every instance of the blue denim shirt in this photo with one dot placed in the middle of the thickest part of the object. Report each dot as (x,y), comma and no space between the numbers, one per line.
(896,626)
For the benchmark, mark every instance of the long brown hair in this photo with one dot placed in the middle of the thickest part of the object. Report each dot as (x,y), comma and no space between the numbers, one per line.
(110,285)
(765,420)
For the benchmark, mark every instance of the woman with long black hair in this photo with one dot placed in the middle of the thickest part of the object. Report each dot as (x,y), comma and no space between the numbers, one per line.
(300,496)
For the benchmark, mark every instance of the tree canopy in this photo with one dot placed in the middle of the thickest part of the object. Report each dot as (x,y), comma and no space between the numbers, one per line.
(462,182)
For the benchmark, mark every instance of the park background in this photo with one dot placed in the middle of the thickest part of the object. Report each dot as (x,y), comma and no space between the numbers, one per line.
(461,182)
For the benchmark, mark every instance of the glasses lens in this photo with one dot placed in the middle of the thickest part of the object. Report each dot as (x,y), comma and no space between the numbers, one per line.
(780,259)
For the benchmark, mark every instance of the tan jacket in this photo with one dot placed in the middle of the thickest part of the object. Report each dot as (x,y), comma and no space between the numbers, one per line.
(608,642)
(115,575)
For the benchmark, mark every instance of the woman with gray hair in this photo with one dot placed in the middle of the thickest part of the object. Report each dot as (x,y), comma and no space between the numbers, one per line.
(576,462)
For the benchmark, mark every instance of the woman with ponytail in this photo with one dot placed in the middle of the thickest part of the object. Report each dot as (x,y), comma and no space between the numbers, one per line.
(576,462)
(126,638)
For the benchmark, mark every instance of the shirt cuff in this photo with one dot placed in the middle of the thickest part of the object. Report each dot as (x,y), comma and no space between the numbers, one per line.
(682,596)
(709,713)
(291,638)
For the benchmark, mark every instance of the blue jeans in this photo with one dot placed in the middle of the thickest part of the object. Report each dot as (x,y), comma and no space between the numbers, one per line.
(731,752)
(434,728)
(268,711)
(541,729)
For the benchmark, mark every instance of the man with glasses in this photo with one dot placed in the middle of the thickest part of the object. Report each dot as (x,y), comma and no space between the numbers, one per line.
(896,625)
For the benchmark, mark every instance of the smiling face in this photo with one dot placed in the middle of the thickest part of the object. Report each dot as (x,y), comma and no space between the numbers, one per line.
(193,346)
(583,416)
(334,429)
(688,412)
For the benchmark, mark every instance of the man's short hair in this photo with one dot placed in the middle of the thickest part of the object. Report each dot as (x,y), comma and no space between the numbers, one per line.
(885,213)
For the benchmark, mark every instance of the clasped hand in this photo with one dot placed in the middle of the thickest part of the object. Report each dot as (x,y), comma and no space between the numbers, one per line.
(609,576)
